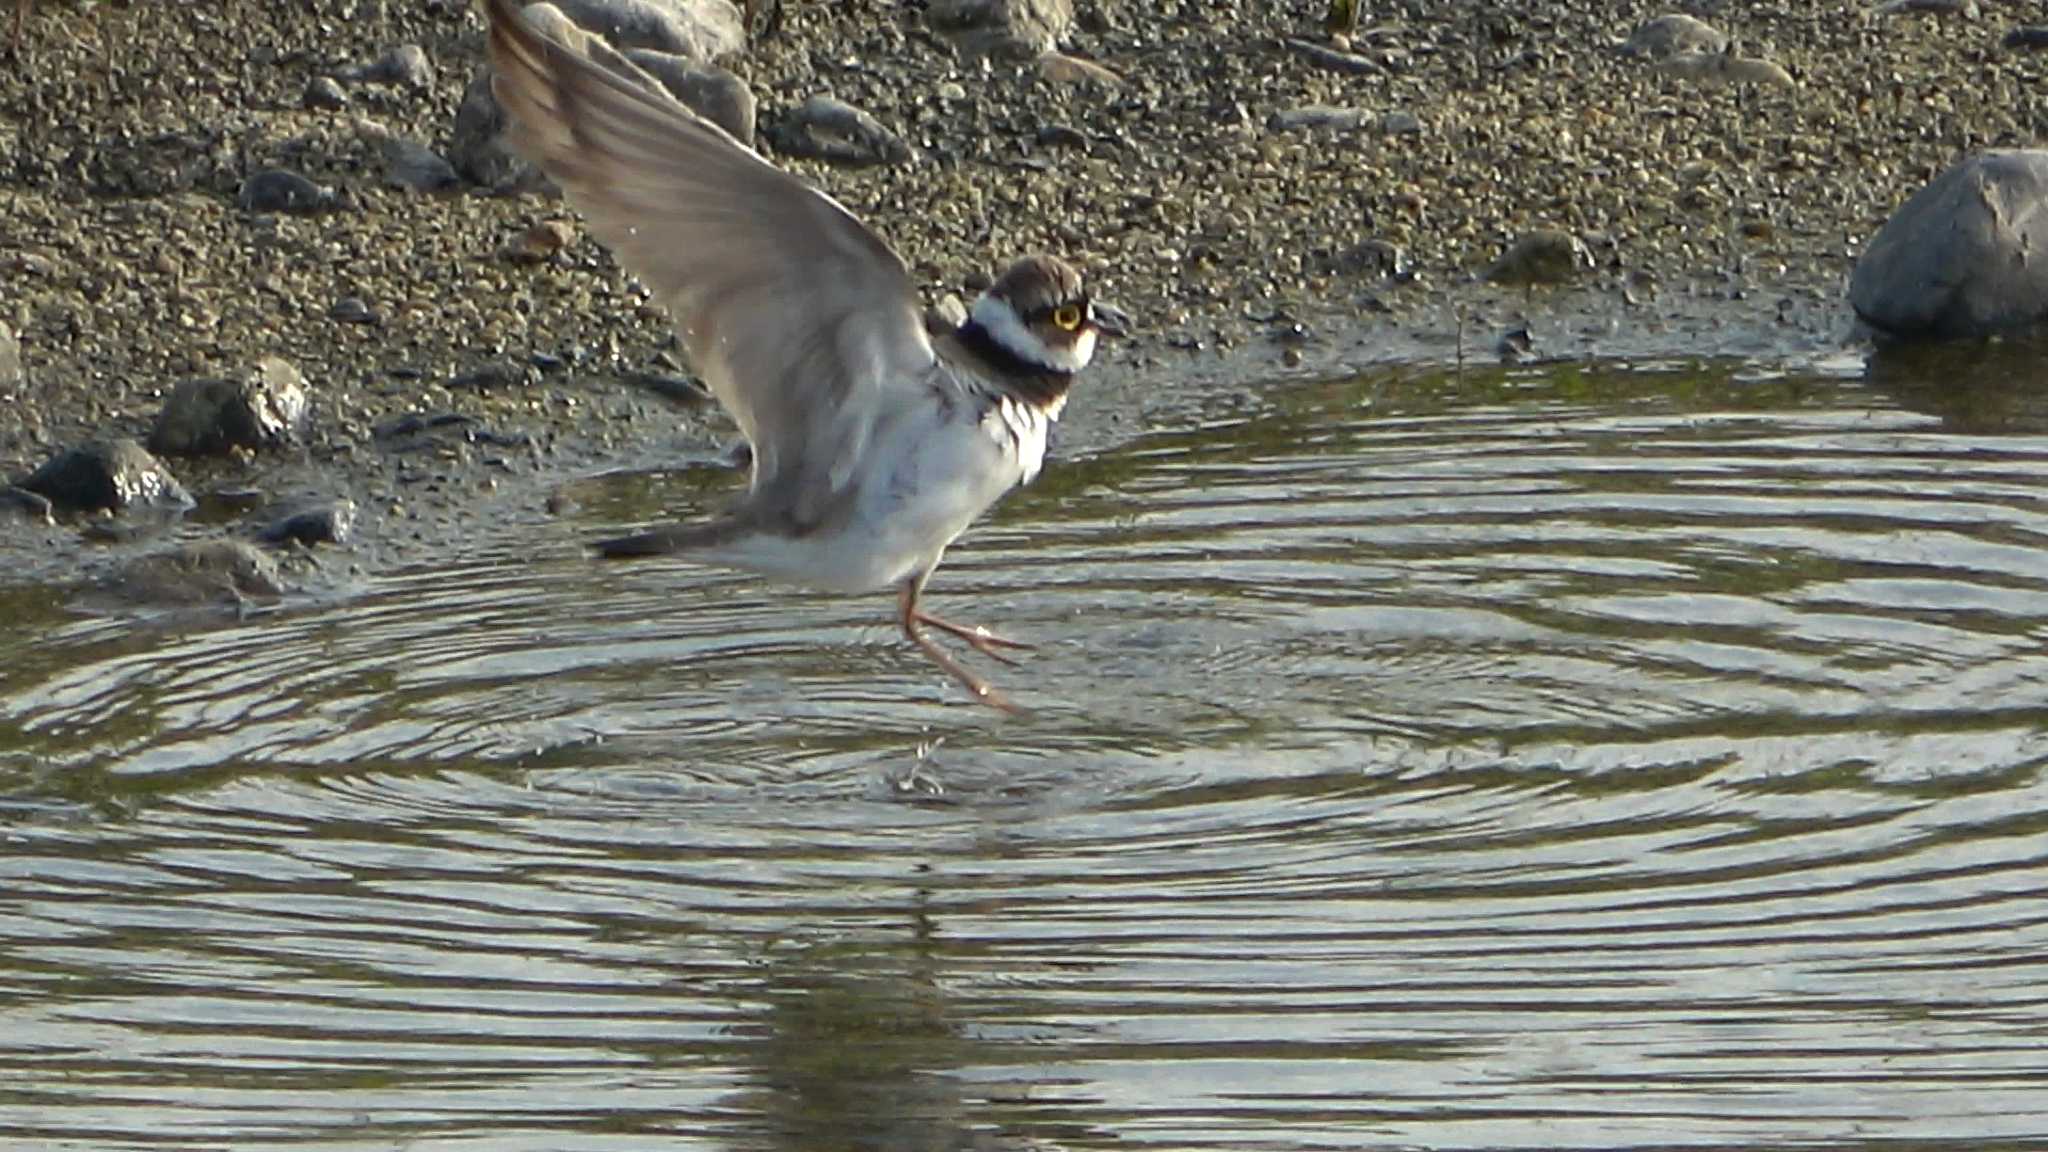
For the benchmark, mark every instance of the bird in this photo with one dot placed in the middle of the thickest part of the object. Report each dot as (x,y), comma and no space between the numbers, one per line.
(875,443)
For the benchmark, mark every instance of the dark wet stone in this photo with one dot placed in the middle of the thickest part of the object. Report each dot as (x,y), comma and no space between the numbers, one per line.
(493,376)
(1004,29)
(26,504)
(353,310)
(107,474)
(1544,256)
(1061,136)
(12,374)
(1320,117)
(279,190)
(699,29)
(265,407)
(326,93)
(1672,34)
(1324,57)
(412,423)
(411,164)
(1961,257)
(824,128)
(1967,9)
(1368,258)
(331,523)
(204,572)
(476,144)
(2031,38)
(708,90)
(680,389)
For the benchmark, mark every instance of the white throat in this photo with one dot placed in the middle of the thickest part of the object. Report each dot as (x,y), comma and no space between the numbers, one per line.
(1007,329)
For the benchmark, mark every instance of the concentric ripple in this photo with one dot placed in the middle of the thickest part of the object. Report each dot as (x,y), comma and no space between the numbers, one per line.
(1596,759)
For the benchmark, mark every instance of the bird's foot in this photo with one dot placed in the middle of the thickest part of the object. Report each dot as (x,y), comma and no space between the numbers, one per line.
(980,639)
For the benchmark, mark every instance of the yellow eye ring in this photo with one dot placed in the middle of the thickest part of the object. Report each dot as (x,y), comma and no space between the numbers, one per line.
(1068,317)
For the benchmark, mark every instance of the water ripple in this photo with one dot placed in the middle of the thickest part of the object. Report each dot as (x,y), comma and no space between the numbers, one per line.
(1570,760)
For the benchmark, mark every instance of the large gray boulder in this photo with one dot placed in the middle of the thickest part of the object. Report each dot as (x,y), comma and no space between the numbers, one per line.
(1965,256)
(699,29)
(477,148)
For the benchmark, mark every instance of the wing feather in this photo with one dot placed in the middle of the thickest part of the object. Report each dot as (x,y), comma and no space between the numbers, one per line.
(801,320)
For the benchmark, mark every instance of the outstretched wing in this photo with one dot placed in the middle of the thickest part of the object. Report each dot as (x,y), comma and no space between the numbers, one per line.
(801,320)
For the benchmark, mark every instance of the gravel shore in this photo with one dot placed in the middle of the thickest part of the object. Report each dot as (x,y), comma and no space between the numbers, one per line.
(1262,199)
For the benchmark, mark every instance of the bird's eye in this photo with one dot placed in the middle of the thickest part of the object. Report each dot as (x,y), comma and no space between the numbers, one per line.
(1068,317)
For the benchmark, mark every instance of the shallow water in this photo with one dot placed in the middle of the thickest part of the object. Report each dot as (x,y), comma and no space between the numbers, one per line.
(1561,759)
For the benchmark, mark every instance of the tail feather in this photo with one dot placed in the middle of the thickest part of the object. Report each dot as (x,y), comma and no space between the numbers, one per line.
(671,538)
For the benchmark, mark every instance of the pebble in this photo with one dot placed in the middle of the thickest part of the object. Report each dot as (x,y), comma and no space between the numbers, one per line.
(1959,258)
(404,64)
(540,242)
(201,572)
(1967,9)
(12,374)
(354,310)
(946,315)
(324,92)
(107,475)
(263,408)
(825,128)
(1542,256)
(1674,34)
(1722,68)
(333,522)
(1072,71)
(282,190)
(1002,29)
(1319,117)
(1335,60)
(411,164)
(2031,38)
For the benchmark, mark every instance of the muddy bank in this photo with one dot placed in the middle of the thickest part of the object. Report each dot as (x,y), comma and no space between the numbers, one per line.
(1267,201)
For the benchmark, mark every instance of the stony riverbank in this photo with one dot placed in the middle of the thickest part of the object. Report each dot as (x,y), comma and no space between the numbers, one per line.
(1244,185)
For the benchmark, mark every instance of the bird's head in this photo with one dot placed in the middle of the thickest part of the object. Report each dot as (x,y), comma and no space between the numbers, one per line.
(1040,312)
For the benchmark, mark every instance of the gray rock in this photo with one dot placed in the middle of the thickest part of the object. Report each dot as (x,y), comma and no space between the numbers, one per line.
(699,29)
(1725,68)
(280,190)
(331,523)
(264,408)
(947,315)
(1319,117)
(477,150)
(1674,33)
(411,164)
(1326,57)
(710,91)
(1544,256)
(476,144)
(1967,9)
(355,310)
(325,92)
(823,128)
(12,374)
(26,504)
(201,572)
(405,64)
(2029,38)
(107,474)
(1002,29)
(1962,256)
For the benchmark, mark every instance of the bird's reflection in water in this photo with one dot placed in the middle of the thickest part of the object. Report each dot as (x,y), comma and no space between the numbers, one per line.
(862,1044)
